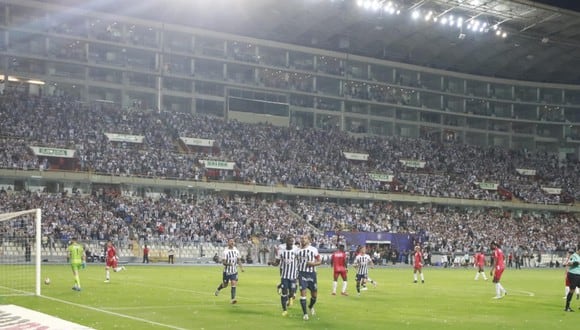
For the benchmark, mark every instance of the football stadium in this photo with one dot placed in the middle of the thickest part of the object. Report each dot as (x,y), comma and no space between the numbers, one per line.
(262,164)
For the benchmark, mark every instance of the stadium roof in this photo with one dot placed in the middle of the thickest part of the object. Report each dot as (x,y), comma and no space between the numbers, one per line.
(542,43)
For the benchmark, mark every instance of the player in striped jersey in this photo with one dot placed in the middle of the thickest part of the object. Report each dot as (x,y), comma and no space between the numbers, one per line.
(362,262)
(231,261)
(286,259)
(308,259)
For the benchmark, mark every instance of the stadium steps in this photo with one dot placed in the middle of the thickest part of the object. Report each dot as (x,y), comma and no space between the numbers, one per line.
(297,216)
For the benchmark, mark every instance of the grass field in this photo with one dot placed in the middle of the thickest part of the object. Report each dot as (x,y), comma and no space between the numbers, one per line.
(181,297)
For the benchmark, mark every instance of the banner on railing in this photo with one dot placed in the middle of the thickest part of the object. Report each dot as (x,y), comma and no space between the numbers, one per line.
(125,138)
(355,156)
(53,152)
(525,171)
(218,164)
(552,191)
(488,185)
(197,142)
(413,163)
(381,177)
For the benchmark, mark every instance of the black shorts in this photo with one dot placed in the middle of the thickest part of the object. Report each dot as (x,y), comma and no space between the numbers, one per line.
(574,281)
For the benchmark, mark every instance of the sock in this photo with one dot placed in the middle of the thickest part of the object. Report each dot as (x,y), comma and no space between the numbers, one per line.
(77,281)
(484,277)
(358,287)
(334,284)
(284,301)
(415,276)
(344,284)
(566,290)
(312,302)
(422,277)
(477,275)
(497,290)
(303,304)
(370,280)
(220,287)
(569,298)
(501,287)
(233,292)
(107,275)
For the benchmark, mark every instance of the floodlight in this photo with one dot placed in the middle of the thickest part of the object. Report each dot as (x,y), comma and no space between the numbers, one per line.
(444,20)
(504,35)
(359,3)
(498,32)
(415,15)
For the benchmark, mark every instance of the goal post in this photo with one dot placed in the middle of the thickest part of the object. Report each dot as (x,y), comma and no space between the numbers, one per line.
(20,253)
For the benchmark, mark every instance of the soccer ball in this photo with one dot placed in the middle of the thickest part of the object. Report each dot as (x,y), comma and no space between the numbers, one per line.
(47,281)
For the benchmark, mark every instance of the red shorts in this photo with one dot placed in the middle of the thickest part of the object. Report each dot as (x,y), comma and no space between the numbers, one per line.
(418,267)
(497,274)
(112,263)
(342,274)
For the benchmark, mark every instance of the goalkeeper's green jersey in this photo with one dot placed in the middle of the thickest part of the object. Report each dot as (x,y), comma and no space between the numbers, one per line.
(76,252)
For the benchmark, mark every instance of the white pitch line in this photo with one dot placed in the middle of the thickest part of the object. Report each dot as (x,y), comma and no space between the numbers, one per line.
(178,306)
(114,313)
(528,293)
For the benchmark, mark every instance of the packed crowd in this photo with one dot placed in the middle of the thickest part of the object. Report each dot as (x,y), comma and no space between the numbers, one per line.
(269,155)
(212,218)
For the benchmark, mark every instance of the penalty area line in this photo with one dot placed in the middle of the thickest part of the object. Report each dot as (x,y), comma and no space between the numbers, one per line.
(114,313)
(521,293)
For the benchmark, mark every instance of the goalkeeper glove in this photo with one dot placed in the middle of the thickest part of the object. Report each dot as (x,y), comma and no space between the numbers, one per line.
(83,265)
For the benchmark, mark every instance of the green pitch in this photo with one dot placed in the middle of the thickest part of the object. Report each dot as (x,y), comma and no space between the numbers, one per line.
(182,297)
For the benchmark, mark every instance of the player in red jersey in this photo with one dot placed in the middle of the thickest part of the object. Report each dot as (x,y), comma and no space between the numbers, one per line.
(418,264)
(479,263)
(111,261)
(497,268)
(338,261)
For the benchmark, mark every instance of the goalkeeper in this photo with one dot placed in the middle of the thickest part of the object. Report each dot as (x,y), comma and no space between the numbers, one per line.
(76,256)
(573,276)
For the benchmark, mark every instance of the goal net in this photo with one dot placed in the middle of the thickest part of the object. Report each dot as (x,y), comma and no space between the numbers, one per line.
(20,253)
